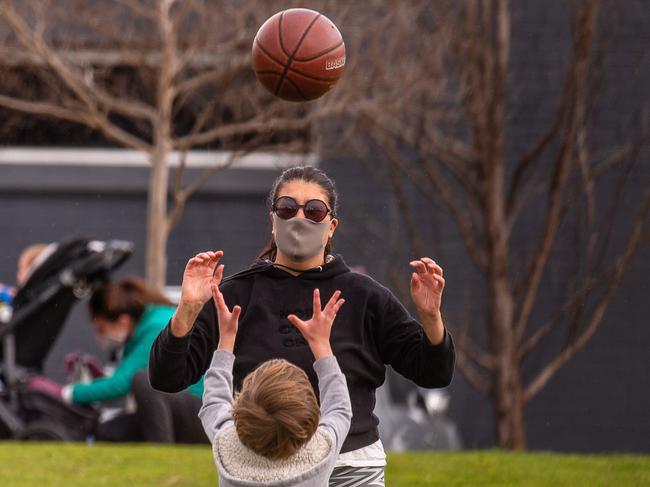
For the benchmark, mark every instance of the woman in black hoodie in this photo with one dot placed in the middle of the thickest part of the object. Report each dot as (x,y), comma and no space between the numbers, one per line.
(372,330)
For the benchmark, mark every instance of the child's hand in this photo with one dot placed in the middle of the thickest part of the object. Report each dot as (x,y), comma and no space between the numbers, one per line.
(317,330)
(228,322)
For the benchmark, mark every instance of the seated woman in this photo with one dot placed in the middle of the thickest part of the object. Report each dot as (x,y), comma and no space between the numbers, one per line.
(127,317)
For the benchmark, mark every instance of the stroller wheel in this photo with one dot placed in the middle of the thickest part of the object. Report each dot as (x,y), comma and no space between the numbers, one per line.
(45,430)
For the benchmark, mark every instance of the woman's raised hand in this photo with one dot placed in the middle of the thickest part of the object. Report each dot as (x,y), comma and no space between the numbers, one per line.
(195,291)
(199,272)
(317,330)
(427,284)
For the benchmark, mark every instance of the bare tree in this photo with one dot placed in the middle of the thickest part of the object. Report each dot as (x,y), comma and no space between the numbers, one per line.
(428,89)
(443,131)
(155,76)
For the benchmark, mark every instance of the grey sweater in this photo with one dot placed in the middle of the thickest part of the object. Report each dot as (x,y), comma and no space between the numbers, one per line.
(310,466)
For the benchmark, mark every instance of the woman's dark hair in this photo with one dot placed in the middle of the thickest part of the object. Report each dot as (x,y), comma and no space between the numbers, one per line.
(308,174)
(129,296)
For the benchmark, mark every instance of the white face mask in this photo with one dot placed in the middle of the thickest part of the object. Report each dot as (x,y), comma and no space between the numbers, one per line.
(110,342)
(300,239)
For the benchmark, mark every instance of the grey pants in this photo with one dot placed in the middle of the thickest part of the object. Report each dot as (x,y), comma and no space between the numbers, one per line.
(357,477)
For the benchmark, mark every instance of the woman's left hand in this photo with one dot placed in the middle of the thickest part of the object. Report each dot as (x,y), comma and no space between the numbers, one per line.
(427,284)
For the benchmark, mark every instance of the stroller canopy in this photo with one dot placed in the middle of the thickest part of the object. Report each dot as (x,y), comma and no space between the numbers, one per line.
(73,268)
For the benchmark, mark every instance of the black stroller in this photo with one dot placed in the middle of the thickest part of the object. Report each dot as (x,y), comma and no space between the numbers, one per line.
(41,306)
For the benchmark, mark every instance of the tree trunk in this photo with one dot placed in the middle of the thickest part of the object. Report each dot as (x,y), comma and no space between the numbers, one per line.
(509,404)
(156,266)
(507,389)
(157,225)
(507,393)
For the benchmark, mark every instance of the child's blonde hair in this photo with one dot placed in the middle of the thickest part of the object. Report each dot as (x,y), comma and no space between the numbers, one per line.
(276,411)
(26,259)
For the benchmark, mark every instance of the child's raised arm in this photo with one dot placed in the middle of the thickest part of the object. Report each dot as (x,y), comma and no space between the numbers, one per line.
(216,411)
(335,406)
(228,322)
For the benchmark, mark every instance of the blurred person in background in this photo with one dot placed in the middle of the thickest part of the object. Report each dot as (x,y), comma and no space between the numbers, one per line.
(30,258)
(127,316)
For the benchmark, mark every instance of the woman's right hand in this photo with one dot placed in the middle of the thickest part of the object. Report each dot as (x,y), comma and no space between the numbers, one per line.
(195,291)
(199,272)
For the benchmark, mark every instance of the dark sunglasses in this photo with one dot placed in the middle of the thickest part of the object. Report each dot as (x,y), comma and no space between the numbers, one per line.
(286,207)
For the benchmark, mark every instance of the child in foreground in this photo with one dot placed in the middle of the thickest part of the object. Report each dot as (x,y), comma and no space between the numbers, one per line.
(274,433)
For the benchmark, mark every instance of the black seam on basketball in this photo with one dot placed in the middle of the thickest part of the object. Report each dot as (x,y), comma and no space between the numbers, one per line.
(280,35)
(293,83)
(322,53)
(268,72)
(292,69)
(268,54)
(302,38)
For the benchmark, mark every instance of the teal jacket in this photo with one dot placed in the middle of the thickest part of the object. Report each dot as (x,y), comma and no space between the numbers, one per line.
(134,358)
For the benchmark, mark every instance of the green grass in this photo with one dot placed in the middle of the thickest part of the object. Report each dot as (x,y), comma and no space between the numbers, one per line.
(70,465)
(497,468)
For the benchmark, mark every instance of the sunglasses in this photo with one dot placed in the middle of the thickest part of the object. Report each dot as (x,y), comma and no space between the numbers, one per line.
(286,207)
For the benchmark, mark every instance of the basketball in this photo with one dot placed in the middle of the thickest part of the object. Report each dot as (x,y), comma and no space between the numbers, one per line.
(298,54)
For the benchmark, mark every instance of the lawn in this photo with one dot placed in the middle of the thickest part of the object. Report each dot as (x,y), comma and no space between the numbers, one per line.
(45,465)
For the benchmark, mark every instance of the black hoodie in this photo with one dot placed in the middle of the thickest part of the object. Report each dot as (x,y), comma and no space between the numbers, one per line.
(371,329)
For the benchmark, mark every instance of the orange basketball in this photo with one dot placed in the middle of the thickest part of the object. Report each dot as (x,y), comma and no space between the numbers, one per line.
(298,54)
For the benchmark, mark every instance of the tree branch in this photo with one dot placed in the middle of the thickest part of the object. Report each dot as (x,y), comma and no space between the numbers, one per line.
(455,152)
(464,222)
(181,195)
(75,82)
(31,40)
(627,150)
(212,76)
(43,108)
(517,192)
(576,300)
(442,188)
(395,180)
(473,376)
(579,70)
(635,240)
(138,8)
(82,86)
(261,125)
(481,357)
